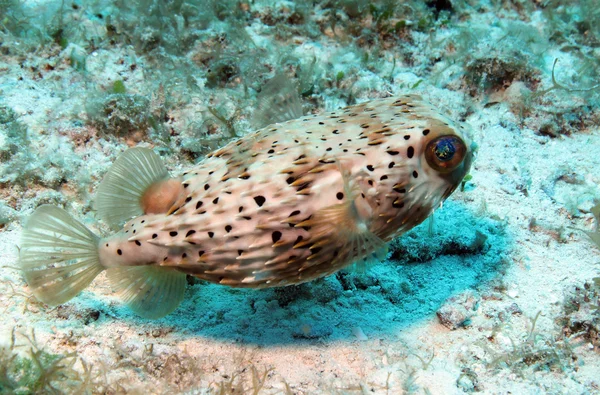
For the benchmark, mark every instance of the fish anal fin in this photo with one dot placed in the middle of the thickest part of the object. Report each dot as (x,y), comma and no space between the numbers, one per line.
(150,291)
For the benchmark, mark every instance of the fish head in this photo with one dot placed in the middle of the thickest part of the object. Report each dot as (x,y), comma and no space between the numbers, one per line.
(437,154)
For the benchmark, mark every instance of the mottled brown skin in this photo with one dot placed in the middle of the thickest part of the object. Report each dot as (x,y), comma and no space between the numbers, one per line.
(299,200)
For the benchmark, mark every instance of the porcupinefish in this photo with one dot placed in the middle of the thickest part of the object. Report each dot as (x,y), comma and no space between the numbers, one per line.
(290,203)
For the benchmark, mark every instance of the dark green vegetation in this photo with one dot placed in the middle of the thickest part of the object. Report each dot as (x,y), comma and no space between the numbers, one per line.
(581,318)
(26,368)
(532,352)
(15,149)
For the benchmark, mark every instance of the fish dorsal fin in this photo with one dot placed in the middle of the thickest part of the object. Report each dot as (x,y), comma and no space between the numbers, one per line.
(150,291)
(278,101)
(121,193)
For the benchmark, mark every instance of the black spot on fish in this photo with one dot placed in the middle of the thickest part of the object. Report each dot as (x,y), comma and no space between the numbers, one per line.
(383,177)
(206,186)
(392,164)
(425,132)
(119,252)
(276,236)
(154,236)
(200,253)
(339,195)
(260,200)
(137,243)
(184,255)
(415,174)
(228,228)
(393,152)
(190,232)
(198,205)
(398,204)
(410,152)
(211,234)
(407,137)
(173,234)
(370,167)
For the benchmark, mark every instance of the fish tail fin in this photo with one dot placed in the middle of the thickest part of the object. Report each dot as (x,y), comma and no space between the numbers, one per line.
(137,183)
(150,291)
(58,255)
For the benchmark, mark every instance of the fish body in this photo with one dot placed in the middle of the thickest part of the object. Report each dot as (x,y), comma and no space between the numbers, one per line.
(292,202)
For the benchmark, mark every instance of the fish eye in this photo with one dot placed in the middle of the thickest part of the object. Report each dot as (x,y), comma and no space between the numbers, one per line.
(445,153)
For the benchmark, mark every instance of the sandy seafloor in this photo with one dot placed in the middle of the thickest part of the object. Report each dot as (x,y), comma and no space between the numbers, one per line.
(502,250)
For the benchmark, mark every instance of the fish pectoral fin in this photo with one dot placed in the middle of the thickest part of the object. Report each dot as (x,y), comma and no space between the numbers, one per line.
(150,291)
(378,255)
(137,183)
(345,227)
